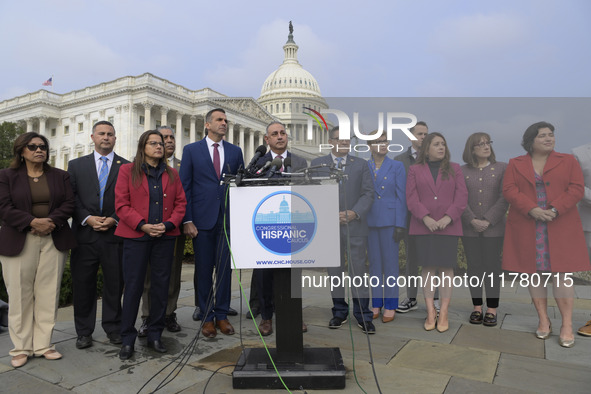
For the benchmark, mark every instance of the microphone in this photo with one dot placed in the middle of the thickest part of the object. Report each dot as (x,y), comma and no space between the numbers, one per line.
(263,168)
(261,150)
(275,166)
(287,164)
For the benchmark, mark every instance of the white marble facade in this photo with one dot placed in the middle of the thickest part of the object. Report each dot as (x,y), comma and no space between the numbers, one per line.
(133,105)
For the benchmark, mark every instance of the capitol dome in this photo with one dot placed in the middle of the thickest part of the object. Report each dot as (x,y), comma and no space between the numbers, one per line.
(288,92)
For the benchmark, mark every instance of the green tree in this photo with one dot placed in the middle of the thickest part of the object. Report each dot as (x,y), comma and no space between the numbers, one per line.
(8,133)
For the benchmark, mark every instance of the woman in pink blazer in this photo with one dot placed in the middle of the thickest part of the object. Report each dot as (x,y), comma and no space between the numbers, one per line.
(150,202)
(436,196)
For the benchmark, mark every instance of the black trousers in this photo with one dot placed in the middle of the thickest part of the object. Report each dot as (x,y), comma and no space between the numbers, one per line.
(484,259)
(84,264)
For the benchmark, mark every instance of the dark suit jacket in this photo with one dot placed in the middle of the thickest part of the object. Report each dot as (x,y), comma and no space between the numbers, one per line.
(133,204)
(16,205)
(356,193)
(205,196)
(406,158)
(85,184)
(389,204)
(297,162)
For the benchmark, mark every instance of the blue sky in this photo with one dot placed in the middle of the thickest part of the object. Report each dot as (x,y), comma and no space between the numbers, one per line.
(527,48)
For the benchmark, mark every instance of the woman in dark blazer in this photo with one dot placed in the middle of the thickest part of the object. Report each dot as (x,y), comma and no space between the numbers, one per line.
(544,234)
(484,224)
(436,196)
(387,226)
(36,202)
(150,203)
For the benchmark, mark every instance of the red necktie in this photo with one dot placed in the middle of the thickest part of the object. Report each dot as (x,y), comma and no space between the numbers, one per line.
(280,157)
(216,159)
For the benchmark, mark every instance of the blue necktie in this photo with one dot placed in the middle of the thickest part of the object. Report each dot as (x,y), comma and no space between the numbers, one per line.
(339,162)
(103,175)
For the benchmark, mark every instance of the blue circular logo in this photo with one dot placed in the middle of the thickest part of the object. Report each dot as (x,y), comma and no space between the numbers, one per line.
(284,223)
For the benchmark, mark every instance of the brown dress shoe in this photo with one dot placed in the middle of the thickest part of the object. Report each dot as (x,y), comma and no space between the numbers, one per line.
(209,330)
(225,327)
(266,327)
(585,330)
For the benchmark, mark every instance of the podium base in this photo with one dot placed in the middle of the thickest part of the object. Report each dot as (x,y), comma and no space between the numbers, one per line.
(322,369)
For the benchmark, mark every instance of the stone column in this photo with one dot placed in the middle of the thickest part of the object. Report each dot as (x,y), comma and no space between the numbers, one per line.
(164,116)
(147,114)
(192,132)
(250,149)
(42,122)
(230,133)
(179,134)
(29,124)
(241,138)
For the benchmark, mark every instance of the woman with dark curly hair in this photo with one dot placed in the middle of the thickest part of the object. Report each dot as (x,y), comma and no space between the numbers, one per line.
(36,202)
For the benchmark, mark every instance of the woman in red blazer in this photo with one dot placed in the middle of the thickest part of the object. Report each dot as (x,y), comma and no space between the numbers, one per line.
(36,202)
(436,196)
(544,235)
(150,202)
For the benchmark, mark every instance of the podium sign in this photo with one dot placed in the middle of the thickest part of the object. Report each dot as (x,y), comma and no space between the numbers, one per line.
(285,226)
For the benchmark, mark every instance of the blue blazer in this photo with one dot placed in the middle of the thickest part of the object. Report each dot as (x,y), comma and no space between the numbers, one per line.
(205,196)
(356,193)
(389,204)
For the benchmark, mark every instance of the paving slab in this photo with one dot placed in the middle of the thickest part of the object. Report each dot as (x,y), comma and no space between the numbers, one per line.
(505,341)
(132,378)
(542,376)
(583,292)
(579,354)
(470,363)
(21,382)
(458,385)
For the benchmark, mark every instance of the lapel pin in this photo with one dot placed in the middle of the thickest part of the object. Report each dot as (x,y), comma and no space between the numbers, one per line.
(118,161)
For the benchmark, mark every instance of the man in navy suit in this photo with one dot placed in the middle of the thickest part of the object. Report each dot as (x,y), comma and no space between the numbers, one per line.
(355,200)
(276,138)
(203,164)
(94,227)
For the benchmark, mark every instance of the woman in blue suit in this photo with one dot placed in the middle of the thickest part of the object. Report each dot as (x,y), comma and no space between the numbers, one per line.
(387,222)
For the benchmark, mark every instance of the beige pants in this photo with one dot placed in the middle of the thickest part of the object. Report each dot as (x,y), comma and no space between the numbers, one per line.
(33,280)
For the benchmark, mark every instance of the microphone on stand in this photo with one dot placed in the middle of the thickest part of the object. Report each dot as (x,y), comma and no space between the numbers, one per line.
(287,164)
(275,166)
(263,168)
(261,150)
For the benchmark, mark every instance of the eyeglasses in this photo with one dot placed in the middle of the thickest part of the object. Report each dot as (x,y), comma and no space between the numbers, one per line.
(155,143)
(483,144)
(33,147)
(382,142)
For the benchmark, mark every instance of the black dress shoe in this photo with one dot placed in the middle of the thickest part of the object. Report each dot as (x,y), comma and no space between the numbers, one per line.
(367,327)
(232,311)
(476,317)
(115,338)
(143,331)
(197,314)
(490,319)
(83,342)
(126,352)
(336,322)
(171,324)
(157,345)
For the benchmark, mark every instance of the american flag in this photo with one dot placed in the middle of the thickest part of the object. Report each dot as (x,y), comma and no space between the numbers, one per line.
(49,82)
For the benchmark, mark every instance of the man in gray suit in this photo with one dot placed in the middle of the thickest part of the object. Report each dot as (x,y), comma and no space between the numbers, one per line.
(94,223)
(583,155)
(174,286)
(355,200)
(408,158)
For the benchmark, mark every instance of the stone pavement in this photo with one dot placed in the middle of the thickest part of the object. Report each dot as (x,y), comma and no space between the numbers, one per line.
(407,359)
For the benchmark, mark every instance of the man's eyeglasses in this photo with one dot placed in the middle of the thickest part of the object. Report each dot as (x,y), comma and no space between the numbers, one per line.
(155,143)
(33,147)
(483,144)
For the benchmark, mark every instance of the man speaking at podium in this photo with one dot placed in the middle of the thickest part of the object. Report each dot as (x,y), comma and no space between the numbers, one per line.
(276,138)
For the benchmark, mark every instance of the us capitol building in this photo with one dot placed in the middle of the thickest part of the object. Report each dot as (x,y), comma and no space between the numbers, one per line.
(138,103)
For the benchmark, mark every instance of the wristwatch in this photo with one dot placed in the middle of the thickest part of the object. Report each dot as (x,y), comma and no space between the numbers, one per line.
(554,210)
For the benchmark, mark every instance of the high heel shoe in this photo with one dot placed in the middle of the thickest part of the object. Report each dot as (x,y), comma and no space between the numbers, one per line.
(376,314)
(566,342)
(387,319)
(441,327)
(545,334)
(430,327)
